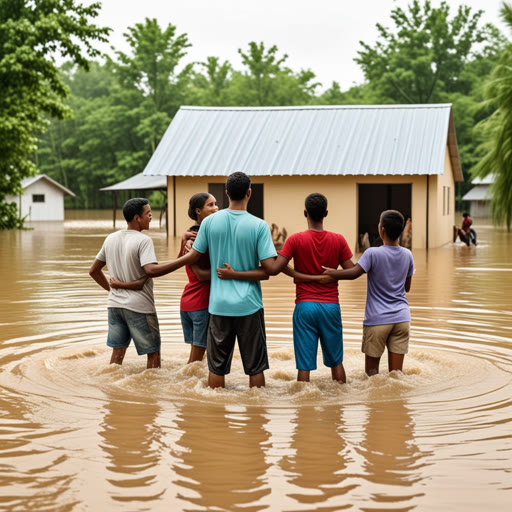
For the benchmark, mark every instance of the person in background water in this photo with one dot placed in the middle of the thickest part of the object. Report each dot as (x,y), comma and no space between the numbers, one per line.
(194,300)
(466,233)
(387,317)
(131,305)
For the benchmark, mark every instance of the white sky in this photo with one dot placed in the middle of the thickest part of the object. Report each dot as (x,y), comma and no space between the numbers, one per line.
(321,35)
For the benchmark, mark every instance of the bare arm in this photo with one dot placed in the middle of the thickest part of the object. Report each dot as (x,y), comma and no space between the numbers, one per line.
(161,269)
(352,272)
(96,272)
(274,266)
(138,284)
(408,283)
(203,274)
(257,274)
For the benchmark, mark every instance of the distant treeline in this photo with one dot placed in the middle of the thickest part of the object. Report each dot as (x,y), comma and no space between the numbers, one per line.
(124,104)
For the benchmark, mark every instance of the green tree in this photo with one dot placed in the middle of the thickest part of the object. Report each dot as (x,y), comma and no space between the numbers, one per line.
(32,34)
(267,81)
(497,132)
(422,58)
(122,108)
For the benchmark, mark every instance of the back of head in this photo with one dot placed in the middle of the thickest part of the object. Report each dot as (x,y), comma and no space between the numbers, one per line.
(196,201)
(134,207)
(316,206)
(393,222)
(237,185)
(465,214)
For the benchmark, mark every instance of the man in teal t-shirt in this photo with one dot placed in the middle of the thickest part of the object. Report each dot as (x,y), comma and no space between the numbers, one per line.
(236,308)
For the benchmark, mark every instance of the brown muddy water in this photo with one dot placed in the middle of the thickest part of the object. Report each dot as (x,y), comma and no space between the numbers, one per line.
(78,434)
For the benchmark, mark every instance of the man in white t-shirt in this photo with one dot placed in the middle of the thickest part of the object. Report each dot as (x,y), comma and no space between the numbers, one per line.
(131,306)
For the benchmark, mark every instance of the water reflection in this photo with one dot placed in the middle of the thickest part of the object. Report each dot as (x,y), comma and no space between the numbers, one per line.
(131,442)
(222,462)
(318,466)
(392,461)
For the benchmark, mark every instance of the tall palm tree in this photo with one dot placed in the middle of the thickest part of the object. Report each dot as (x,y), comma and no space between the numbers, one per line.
(497,133)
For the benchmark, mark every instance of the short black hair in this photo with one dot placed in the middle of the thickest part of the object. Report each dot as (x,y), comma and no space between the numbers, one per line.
(316,206)
(134,207)
(465,214)
(197,201)
(237,185)
(393,222)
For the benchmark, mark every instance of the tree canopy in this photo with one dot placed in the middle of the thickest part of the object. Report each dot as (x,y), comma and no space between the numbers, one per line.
(32,33)
(496,130)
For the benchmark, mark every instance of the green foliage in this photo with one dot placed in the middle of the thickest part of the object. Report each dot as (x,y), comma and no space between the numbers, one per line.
(31,34)
(423,58)
(497,133)
(432,57)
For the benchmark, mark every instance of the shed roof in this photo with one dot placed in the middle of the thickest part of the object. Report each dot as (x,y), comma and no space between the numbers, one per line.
(478,193)
(139,182)
(308,140)
(28,182)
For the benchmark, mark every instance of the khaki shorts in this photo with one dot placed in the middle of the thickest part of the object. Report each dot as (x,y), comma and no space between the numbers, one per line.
(377,337)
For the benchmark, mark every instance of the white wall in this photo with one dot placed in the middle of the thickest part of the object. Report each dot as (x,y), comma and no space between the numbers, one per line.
(51,209)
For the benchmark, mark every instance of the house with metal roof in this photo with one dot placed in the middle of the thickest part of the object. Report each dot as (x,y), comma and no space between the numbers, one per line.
(480,196)
(42,199)
(363,158)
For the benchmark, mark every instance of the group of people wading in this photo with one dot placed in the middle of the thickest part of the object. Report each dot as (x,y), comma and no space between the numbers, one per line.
(227,253)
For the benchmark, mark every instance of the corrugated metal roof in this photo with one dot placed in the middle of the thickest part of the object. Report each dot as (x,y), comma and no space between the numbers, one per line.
(478,193)
(488,180)
(139,182)
(27,182)
(326,140)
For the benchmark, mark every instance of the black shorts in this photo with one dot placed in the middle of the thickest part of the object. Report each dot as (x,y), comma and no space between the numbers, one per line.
(252,342)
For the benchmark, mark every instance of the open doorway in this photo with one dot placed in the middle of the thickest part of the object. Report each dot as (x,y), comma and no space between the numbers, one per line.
(374,199)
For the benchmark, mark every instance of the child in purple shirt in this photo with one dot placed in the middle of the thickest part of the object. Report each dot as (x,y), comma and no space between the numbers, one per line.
(387,317)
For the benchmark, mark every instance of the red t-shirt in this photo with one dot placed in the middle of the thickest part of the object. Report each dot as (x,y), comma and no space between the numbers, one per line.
(466,224)
(196,294)
(310,250)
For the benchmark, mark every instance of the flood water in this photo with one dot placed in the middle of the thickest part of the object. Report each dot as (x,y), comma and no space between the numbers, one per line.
(78,434)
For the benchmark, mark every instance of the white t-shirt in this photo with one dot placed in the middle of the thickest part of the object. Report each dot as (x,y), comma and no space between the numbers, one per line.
(125,253)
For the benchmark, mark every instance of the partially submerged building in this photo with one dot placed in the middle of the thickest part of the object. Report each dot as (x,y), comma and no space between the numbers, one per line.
(480,196)
(365,159)
(42,199)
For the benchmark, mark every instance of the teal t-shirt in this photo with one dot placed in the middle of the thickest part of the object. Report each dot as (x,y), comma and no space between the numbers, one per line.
(242,240)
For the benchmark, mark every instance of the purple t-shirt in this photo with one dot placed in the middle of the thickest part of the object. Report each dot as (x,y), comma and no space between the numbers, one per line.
(387,267)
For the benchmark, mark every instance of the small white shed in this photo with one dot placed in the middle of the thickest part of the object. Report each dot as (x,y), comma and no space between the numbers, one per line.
(42,199)
(480,196)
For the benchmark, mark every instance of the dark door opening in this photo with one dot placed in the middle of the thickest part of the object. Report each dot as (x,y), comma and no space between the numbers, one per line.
(372,201)
(255,205)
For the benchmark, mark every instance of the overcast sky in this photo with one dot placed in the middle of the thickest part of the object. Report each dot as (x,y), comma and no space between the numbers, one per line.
(321,35)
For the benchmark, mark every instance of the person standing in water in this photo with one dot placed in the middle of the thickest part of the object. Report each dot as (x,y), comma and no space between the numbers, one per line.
(195,298)
(317,313)
(131,305)
(387,317)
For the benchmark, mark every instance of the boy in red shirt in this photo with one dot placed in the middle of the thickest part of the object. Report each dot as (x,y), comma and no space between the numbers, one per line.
(317,314)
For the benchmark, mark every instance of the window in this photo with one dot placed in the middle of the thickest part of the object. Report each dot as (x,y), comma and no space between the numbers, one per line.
(38,198)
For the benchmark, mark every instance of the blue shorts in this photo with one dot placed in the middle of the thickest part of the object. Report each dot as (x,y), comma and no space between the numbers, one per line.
(195,326)
(125,325)
(313,321)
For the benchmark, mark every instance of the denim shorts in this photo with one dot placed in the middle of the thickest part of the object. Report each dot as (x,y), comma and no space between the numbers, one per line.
(125,325)
(195,326)
(313,321)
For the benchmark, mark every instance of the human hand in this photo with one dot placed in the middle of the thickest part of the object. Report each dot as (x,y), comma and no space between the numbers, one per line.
(225,273)
(188,246)
(328,272)
(115,283)
(188,235)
